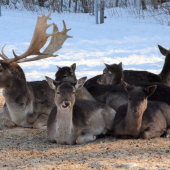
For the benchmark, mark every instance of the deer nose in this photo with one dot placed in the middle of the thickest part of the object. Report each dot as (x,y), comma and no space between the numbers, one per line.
(135,110)
(67,103)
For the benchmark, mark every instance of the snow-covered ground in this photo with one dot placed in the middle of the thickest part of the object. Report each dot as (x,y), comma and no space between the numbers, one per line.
(118,40)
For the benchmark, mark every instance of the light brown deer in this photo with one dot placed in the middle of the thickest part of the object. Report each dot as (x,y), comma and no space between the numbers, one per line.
(140,118)
(76,121)
(28,104)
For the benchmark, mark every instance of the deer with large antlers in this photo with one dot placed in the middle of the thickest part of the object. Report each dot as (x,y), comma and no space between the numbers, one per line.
(28,104)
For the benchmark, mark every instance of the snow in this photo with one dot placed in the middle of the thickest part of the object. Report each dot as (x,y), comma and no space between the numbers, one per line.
(130,41)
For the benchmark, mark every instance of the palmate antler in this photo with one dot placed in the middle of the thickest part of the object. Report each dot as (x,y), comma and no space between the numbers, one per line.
(38,41)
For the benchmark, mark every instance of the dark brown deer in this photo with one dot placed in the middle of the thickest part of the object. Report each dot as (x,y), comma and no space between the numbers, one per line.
(140,118)
(28,104)
(113,74)
(115,96)
(76,121)
(68,74)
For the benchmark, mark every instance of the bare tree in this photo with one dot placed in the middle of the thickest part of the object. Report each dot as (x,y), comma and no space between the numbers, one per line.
(135,2)
(143,2)
(75,7)
(155,3)
(116,3)
(85,6)
(61,5)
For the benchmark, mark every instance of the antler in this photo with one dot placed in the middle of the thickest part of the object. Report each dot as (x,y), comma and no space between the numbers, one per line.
(56,42)
(38,41)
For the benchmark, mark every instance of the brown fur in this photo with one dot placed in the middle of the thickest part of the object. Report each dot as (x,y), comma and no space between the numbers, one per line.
(112,74)
(76,120)
(68,74)
(140,118)
(27,104)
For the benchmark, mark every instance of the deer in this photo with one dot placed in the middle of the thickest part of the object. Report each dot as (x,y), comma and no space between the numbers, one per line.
(76,121)
(141,118)
(68,74)
(115,96)
(113,74)
(28,104)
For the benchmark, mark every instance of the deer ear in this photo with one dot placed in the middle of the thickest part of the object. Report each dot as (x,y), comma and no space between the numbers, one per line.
(5,66)
(58,67)
(150,90)
(163,50)
(120,64)
(80,83)
(108,68)
(127,87)
(50,82)
(73,67)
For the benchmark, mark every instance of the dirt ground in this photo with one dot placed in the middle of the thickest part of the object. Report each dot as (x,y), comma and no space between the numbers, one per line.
(30,149)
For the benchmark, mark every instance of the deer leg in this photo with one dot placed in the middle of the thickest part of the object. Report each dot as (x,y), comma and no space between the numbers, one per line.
(40,122)
(152,133)
(31,118)
(6,115)
(10,123)
(85,137)
(166,133)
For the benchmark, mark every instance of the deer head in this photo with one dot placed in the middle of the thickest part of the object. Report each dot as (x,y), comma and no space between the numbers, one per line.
(66,74)
(65,92)
(112,75)
(137,98)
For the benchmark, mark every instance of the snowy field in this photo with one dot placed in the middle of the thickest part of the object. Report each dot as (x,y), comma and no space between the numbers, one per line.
(132,42)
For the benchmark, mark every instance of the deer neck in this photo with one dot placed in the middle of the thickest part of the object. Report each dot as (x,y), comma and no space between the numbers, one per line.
(64,125)
(165,73)
(133,123)
(19,101)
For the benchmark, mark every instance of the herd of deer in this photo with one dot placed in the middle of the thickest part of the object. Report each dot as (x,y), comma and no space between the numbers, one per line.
(75,111)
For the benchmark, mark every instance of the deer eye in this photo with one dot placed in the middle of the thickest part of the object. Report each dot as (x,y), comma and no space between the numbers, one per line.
(58,92)
(64,76)
(73,92)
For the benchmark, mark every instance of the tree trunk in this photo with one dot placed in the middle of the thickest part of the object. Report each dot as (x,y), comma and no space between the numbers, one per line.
(41,3)
(61,5)
(116,3)
(155,4)
(143,4)
(75,7)
(7,2)
(69,4)
(85,6)
(135,2)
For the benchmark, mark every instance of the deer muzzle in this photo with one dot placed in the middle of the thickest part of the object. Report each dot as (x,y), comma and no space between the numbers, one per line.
(65,104)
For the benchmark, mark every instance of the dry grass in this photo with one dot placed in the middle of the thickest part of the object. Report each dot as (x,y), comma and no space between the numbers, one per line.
(30,149)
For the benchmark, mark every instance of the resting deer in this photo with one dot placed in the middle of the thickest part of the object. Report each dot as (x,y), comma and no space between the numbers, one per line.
(68,74)
(115,96)
(141,118)
(76,121)
(113,74)
(28,104)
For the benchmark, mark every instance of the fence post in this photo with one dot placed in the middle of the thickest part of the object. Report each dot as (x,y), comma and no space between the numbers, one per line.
(0,7)
(102,11)
(96,10)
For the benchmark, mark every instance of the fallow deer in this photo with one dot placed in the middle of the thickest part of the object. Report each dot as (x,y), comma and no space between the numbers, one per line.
(141,118)
(113,74)
(68,74)
(76,121)
(28,104)
(115,96)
